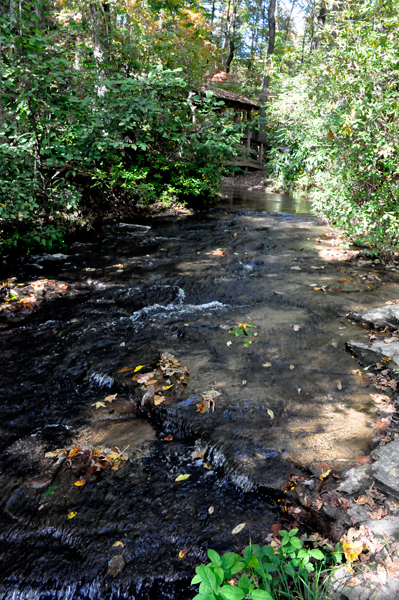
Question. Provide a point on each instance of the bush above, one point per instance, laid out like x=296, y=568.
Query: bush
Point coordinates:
x=290, y=571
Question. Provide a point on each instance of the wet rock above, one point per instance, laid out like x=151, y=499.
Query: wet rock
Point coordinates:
x=386, y=468
x=378, y=585
x=386, y=316
x=374, y=352
x=354, y=479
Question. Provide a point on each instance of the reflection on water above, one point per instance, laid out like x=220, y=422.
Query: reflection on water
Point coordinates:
x=263, y=202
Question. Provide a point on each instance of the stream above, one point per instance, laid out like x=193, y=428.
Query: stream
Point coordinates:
x=74, y=327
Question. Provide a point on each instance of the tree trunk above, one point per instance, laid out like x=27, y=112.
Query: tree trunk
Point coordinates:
x=270, y=50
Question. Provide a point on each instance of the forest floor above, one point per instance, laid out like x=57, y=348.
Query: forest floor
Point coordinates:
x=167, y=381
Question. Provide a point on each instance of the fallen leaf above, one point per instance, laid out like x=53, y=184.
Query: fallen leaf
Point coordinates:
x=72, y=515
x=352, y=550
x=292, y=367
x=270, y=413
x=158, y=399
x=239, y=528
x=296, y=327
x=125, y=369
x=98, y=404
x=244, y=382
x=80, y=483
x=167, y=387
x=211, y=510
x=138, y=368
x=123, y=344
x=118, y=544
x=168, y=438
x=339, y=385
x=118, y=266
x=296, y=269
x=55, y=453
x=267, y=365
x=379, y=513
x=356, y=372
x=182, y=477
x=217, y=252
x=110, y=398
x=115, y=565
x=207, y=465
x=229, y=343
x=324, y=474
x=365, y=500
x=183, y=553
x=380, y=398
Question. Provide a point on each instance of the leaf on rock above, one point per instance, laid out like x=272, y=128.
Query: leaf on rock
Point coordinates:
x=182, y=477
x=55, y=453
x=118, y=544
x=79, y=483
x=324, y=474
x=125, y=369
x=267, y=364
x=339, y=385
x=138, y=368
x=238, y=528
x=211, y=510
x=167, y=387
x=158, y=400
x=270, y=413
x=365, y=500
x=296, y=327
x=72, y=515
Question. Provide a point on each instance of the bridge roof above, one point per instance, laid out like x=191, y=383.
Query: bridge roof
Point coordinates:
x=231, y=98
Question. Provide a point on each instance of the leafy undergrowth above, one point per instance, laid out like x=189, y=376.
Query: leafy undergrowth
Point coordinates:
x=286, y=568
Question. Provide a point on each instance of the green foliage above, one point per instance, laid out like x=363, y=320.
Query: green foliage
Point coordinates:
x=77, y=134
x=291, y=571
x=338, y=118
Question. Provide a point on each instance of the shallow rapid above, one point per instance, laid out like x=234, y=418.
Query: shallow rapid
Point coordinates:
x=290, y=398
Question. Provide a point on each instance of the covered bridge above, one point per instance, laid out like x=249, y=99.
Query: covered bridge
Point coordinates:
x=253, y=140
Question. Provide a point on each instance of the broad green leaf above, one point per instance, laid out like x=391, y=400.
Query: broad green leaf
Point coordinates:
x=214, y=557
x=261, y=595
x=316, y=553
x=229, y=592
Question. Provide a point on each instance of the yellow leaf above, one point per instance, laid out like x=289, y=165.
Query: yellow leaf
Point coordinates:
x=182, y=477
x=79, y=483
x=117, y=544
x=138, y=368
x=72, y=514
x=292, y=367
x=239, y=528
x=98, y=404
x=55, y=453
x=352, y=550
x=115, y=455
x=167, y=387
x=182, y=553
x=325, y=474
x=267, y=365
x=330, y=135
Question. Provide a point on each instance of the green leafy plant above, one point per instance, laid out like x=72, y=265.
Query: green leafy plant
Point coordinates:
x=267, y=573
x=243, y=329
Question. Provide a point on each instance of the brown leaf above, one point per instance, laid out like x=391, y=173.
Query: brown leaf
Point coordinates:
x=217, y=252
x=125, y=369
x=378, y=514
x=110, y=398
x=365, y=500
x=116, y=565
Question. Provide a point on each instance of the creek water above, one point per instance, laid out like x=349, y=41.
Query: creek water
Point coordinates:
x=288, y=402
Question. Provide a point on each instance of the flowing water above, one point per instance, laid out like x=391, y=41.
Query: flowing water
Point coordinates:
x=289, y=401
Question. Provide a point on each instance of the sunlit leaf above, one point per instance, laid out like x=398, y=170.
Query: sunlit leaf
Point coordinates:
x=72, y=514
x=182, y=477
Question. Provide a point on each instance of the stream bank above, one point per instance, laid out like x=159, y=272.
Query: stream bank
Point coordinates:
x=291, y=402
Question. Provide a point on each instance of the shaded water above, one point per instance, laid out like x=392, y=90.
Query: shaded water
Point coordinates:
x=134, y=291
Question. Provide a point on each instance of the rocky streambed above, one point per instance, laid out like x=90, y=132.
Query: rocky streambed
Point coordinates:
x=165, y=381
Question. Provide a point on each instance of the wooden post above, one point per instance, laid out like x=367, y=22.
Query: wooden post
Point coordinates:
x=260, y=155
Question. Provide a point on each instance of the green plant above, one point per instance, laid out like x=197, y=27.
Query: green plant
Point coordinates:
x=289, y=571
